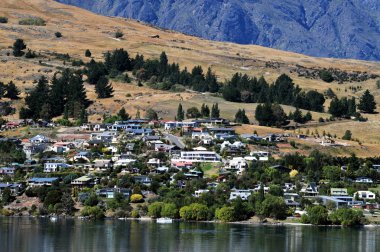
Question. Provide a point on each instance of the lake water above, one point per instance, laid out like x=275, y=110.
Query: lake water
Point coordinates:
x=42, y=235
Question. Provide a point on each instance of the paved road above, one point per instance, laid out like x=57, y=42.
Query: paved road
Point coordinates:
x=175, y=140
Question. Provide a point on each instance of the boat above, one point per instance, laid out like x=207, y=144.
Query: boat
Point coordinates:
x=164, y=220
x=53, y=218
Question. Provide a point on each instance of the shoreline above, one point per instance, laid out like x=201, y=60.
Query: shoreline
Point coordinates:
x=149, y=219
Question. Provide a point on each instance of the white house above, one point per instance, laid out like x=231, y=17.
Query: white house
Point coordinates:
x=363, y=180
x=243, y=194
x=54, y=167
x=198, y=156
x=367, y=195
x=123, y=162
x=39, y=139
x=237, y=164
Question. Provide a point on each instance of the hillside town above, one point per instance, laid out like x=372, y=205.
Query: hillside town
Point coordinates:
x=139, y=168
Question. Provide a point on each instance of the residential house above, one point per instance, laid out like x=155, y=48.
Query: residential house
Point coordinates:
x=243, y=194
x=39, y=139
x=55, y=167
x=198, y=156
x=142, y=179
x=338, y=192
x=237, y=164
x=102, y=164
x=365, y=195
x=310, y=190
x=84, y=181
x=109, y=193
x=338, y=202
x=15, y=188
x=363, y=180
x=9, y=171
x=124, y=162
x=34, y=182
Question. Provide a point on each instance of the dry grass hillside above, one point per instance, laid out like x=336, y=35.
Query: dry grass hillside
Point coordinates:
x=83, y=30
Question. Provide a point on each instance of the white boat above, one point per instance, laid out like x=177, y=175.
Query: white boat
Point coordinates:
x=164, y=220
x=53, y=218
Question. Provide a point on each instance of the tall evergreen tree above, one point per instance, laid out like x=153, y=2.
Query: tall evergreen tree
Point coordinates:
x=180, y=113
x=103, y=88
x=211, y=81
x=205, y=110
x=37, y=97
x=18, y=48
x=215, y=112
x=241, y=117
x=367, y=102
x=123, y=115
x=12, y=91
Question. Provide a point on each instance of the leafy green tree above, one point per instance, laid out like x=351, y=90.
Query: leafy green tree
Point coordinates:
x=18, y=48
x=169, y=210
x=273, y=207
x=92, y=200
x=332, y=173
x=367, y=102
x=103, y=88
x=317, y=215
x=6, y=196
x=155, y=209
x=93, y=212
x=194, y=211
x=276, y=190
x=225, y=214
x=52, y=197
x=193, y=112
x=180, y=113
x=67, y=203
x=151, y=114
x=347, y=217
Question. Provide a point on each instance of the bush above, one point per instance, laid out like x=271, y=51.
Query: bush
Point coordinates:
x=94, y=212
x=135, y=214
x=225, y=214
x=3, y=20
x=36, y=21
x=347, y=217
x=136, y=198
x=169, y=210
x=317, y=215
x=119, y=34
x=155, y=209
x=194, y=211
x=58, y=35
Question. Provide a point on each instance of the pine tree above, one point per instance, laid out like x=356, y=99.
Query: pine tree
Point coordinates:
x=241, y=117
x=367, y=102
x=37, y=97
x=180, y=113
x=298, y=116
x=123, y=115
x=103, y=88
x=18, y=48
x=215, y=112
x=87, y=53
x=2, y=89
x=211, y=81
x=12, y=91
x=205, y=110
x=83, y=116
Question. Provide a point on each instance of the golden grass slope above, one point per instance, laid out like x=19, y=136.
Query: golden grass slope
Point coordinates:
x=84, y=30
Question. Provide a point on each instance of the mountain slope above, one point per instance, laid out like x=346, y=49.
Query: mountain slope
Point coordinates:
x=323, y=28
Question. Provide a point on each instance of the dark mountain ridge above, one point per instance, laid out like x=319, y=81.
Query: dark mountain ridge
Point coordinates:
x=322, y=28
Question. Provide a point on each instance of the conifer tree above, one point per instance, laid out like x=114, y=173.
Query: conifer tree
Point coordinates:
x=103, y=89
x=12, y=91
x=241, y=117
x=367, y=102
x=180, y=113
x=123, y=115
x=18, y=48
x=205, y=110
x=215, y=112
